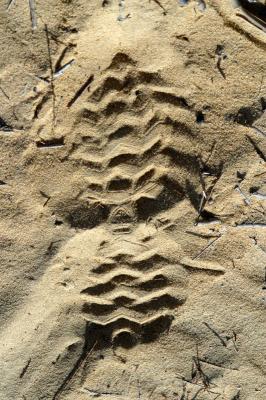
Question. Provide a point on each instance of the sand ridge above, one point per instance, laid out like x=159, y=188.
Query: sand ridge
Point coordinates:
x=132, y=194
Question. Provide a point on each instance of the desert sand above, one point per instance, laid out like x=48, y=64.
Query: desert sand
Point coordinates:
x=133, y=194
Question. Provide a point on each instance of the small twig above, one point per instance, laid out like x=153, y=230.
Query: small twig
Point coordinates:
x=235, y=337
x=216, y=334
x=161, y=6
x=139, y=392
x=10, y=4
x=99, y=393
x=264, y=283
x=256, y=148
x=218, y=395
x=79, y=92
x=33, y=14
x=138, y=243
x=205, y=248
x=203, y=201
x=202, y=375
x=206, y=191
x=196, y=394
x=246, y=200
x=23, y=372
x=60, y=71
x=80, y=364
x=216, y=365
x=4, y=93
x=62, y=55
x=46, y=196
x=180, y=377
x=220, y=68
x=51, y=73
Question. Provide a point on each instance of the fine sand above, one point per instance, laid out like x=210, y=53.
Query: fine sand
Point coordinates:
x=133, y=194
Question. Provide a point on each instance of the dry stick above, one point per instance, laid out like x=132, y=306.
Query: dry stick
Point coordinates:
x=4, y=93
x=246, y=199
x=46, y=197
x=256, y=148
x=51, y=73
x=137, y=243
x=187, y=380
x=216, y=365
x=197, y=393
x=206, y=192
x=61, y=57
x=205, y=248
x=204, y=198
x=60, y=71
x=81, y=362
x=264, y=285
x=10, y=4
x=79, y=92
x=139, y=391
x=219, y=62
x=216, y=334
x=234, y=341
x=33, y=14
x=161, y=6
x=203, y=201
x=203, y=376
x=23, y=372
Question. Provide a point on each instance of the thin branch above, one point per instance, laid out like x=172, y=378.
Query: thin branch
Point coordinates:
x=79, y=92
x=23, y=372
x=216, y=334
x=205, y=248
x=161, y=6
x=4, y=93
x=51, y=72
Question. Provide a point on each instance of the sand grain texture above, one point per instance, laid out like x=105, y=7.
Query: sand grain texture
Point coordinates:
x=132, y=190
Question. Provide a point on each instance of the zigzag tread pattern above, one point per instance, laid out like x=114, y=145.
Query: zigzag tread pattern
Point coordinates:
x=130, y=126
x=134, y=292
x=127, y=136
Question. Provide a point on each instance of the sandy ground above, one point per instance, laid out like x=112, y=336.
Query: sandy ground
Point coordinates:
x=133, y=192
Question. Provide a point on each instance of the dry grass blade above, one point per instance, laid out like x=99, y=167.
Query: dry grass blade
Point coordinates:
x=33, y=14
x=10, y=4
x=51, y=73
